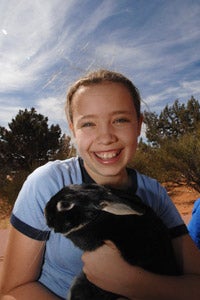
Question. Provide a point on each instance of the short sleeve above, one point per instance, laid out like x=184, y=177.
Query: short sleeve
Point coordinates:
x=155, y=196
x=28, y=212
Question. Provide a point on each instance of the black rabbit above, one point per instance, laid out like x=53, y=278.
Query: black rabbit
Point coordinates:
x=89, y=214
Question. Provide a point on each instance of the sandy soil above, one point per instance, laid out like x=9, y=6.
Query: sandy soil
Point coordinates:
x=183, y=197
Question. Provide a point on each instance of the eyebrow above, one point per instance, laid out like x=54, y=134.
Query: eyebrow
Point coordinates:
x=112, y=114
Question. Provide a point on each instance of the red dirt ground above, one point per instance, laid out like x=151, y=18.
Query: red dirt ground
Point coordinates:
x=183, y=197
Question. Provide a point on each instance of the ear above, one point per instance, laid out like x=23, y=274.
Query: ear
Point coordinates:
x=140, y=124
x=119, y=209
x=71, y=127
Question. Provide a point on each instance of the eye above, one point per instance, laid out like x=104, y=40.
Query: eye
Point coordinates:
x=87, y=124
x=63, y=206
x=121, y=120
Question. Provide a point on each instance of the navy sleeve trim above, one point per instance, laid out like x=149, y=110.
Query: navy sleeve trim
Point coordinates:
x=28, y=230
x=178, y=231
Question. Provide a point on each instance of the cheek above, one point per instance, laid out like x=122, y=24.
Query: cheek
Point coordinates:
x=83, y=140
x=129, y=136
x=130, y=143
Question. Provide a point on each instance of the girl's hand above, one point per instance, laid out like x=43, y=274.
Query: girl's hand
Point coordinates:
x=106, y=268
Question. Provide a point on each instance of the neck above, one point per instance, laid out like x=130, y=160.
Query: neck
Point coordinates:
x=121, y=180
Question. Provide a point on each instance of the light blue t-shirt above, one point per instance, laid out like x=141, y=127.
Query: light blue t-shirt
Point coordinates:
x=62, y=260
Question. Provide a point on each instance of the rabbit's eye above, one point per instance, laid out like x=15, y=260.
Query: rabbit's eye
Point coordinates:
x=62, y=206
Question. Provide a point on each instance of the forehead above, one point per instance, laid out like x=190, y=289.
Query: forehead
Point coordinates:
x=103, y=87
x=104, y=95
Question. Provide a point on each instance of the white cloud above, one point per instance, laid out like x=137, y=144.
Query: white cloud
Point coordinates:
x=192, y=87
x=28, y=48
x=54, y=109
x=8, y=110
x=51, y=107
x=182, y=91
x=4, y=31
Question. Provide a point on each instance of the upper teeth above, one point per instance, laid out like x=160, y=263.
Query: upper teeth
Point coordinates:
x=106, y=155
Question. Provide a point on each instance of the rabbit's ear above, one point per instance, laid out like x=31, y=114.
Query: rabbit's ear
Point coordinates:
x=119, y=209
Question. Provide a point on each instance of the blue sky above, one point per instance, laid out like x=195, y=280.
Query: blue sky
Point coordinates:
x=46, y=45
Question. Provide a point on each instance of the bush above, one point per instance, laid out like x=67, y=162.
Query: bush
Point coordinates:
x=12, y=186
x=148, y=160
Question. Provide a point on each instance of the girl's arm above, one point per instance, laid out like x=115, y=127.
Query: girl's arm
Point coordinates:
x=21, y=268
x=114, y=274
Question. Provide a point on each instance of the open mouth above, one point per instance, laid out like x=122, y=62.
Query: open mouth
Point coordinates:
x=107, y=155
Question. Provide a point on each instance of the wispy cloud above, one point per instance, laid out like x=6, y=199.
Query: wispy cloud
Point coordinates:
x=54, y=109
x=45, y=45
x=9, y=107
x=29, y=44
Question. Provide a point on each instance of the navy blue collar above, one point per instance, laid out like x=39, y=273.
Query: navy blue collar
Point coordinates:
x=131, y=173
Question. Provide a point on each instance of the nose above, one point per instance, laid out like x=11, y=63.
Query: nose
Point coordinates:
x=106, y=135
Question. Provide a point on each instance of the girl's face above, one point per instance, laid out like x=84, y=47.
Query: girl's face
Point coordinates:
x=106, y=128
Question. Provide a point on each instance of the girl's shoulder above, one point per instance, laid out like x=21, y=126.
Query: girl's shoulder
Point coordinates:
x=58, y=166
x=58, y=172
x=153, y=194
x=145, y=183
x=40, y=186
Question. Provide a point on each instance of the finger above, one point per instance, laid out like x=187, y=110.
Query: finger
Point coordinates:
x=110, y=244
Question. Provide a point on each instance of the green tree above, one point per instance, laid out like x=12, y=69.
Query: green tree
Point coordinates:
x=66, y=149
x=173, y=122
x=173, y=151
x=29, y=141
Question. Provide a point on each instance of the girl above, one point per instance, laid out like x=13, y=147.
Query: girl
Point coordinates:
x=103, y=111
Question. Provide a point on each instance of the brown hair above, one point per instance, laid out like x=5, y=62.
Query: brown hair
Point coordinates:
x=101, y=76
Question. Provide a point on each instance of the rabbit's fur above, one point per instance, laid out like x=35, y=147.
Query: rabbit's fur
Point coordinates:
x=89, y=214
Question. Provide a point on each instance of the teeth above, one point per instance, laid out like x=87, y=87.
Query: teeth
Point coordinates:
x=107, y=155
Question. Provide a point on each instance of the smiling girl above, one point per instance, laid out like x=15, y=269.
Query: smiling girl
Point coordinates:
x=103, y=112
x=106, y=128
